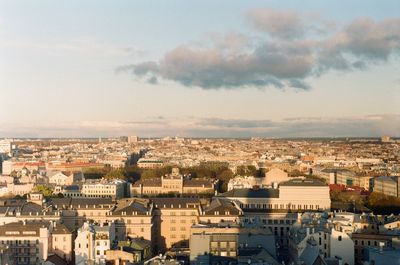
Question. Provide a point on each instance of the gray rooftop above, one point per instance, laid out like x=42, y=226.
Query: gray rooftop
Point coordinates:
x=251, y=193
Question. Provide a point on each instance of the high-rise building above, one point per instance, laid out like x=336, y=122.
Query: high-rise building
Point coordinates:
x=133, y=139
x=5, y=146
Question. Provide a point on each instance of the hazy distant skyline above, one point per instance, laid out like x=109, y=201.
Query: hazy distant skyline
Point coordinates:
x=199, y=68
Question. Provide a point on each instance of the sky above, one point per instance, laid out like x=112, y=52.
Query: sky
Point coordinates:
x=199, y=68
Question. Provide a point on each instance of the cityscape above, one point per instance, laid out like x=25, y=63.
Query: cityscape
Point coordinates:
x=199, y=132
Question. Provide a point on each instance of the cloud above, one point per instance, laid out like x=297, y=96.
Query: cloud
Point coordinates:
x=269, y=64
x=362, y=126
x=287, y=49
x=75, y=46
x=281, y=24
x=288, y=25
x=236, y=123
x=361, y=43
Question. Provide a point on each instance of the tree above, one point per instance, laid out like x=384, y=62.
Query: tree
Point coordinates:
x=224, y=178
x=148, y=174
x=248, y=170
x=46, y=191
x=95, y=173
x=116, y=174
x=383, y=204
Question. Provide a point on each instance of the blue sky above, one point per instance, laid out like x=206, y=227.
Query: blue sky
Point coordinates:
x=199, y=68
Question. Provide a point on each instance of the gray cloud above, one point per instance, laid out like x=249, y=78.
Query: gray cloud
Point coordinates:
x=291, y=52
x=361, y=43
x=236, y=123
x=363, y=126
x=270, y=64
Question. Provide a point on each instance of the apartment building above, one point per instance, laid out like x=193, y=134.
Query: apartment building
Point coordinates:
x=131, y=251
x=389, y=186
x=28, y=242
x=231, y=242
x=220, y=210
x=173, y=220
x=65, y=177
x=363, y=241
x=75, y=211
x=133, y=218
x=62, y=242
x=92, y=242
x=313, y=238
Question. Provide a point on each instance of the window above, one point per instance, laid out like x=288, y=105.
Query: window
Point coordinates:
x=340, y=238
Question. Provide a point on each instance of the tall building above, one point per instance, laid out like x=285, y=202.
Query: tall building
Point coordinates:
x=5, y=146
x=173, y=220
x=133, y=139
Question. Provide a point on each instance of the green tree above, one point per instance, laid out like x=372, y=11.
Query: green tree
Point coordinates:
x=46, y=191
x=224, y=178
x=116, y=174
x=248, y=170
x=148, y=174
